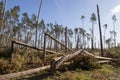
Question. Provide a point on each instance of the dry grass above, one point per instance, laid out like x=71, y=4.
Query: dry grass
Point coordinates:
x=6, y=67
x=107, y=72
x=81, y=67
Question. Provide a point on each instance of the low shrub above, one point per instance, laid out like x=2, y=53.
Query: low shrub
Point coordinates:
x=85, y=63
x=4, y=52
x=6, y=67
x=114, y=54
x=32, y=59
x=81, y=62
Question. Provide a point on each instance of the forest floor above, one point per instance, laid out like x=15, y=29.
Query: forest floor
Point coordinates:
x=81, y=68
x=107, y=72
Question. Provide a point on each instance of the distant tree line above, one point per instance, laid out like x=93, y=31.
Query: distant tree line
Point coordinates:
x=23, y=28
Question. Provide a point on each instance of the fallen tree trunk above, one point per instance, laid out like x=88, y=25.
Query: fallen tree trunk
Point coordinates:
x=70, y=56
x=27, y=45
x=67, y=57
x=23, y=73
x=58, y=42
x=56, y=62
x=104, y=61
x=99, y=57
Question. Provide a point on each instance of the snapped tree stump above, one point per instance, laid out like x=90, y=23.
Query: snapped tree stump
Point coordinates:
x=52, y=67
x=11, y=51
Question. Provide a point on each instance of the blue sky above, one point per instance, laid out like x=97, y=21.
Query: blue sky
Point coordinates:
x=68, y=12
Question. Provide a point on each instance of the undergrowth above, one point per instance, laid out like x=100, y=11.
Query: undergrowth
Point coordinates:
x=21, y=60
x=82, y=67
x=82, y=62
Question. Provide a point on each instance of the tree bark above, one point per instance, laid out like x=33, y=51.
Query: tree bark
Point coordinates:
x=44, y=48
x=78, y=40
x=66, y=39
x=52, y=67
x=11, y=51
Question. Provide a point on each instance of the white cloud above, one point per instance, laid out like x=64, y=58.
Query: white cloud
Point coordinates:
x=116, y=9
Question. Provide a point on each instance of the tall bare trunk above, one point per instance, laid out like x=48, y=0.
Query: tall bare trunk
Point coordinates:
x=2, y=20
x=114, y=34
x=42, y=39
x=100, y=31
x=77, y=41
x=37, y=23
x=92, y=40
x=65, y=39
